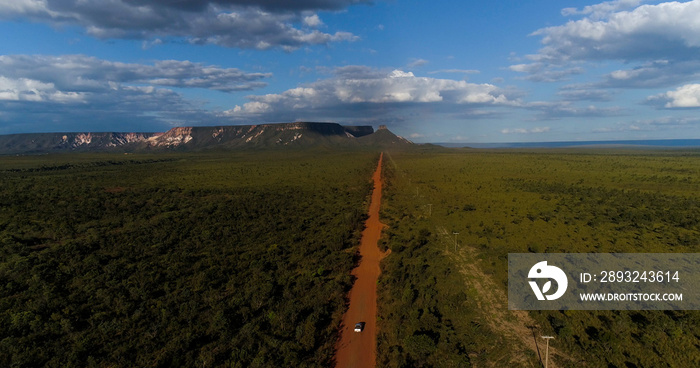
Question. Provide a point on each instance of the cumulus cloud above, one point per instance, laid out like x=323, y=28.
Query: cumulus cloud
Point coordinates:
x=229, y=23
x=683, y=96
x=646, y=32
x=356, y=89
x=661, y=38
x=84, y=73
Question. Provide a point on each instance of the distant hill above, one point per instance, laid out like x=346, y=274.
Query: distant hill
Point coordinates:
x=49, y=142
x=384, y=138
x=263, y=136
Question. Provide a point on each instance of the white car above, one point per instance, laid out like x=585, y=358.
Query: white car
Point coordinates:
x=359, y=326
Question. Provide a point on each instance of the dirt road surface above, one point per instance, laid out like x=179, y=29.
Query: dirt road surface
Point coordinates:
x=359, y=349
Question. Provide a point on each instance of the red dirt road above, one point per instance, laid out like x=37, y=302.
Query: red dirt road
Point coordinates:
x=359, y=349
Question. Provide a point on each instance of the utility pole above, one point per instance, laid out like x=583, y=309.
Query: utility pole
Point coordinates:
x=455, y=240
x=546, y=354
x=430, y=209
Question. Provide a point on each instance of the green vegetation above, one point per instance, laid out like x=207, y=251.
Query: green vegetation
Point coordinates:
x=244, y=259
x=216, y=259
x=436, y=306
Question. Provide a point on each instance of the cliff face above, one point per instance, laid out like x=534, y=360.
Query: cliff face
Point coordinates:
x=50, y=142
x=76, y=140
x=261, y=136
x=173, y=137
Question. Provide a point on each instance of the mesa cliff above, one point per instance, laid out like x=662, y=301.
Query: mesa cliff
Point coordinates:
x=260, y=136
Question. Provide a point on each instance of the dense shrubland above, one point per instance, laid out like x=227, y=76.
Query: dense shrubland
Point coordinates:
x=242, y=259
x=216, y=259
x=504, y=202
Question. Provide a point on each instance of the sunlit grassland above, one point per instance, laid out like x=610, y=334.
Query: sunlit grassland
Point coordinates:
x=198, y=259
x=505, y=201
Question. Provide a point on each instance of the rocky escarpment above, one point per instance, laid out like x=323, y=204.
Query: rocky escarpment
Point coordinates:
x=172, y=138
x=50, y=142
x=260, y=136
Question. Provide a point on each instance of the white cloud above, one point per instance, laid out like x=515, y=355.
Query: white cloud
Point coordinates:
x=525, y=68
x=684, y=96
x=655, y=74
x=22, y=6
x=602, y=10
x=30, y=105
x=648, y=31
x=81, y=73
x=145, y=45
x=77, y=92
x=23, y=89
x=253, y=107
x=313, y=21
x=355, y=90
x=662, y=39
x=396, y=87
x=401, y=74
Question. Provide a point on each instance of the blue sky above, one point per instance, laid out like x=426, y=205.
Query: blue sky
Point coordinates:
x=441, y=71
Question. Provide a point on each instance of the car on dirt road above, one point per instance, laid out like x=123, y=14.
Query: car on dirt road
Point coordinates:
x=359, y=326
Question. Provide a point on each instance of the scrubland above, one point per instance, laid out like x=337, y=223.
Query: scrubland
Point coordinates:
x=198, y=259
x=244, y=259
x=444, y=308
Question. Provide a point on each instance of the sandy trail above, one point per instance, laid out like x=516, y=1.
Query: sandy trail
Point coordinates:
x=359, y=349
x=518, y=328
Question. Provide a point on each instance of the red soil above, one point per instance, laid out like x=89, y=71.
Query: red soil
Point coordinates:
x=359, y=349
